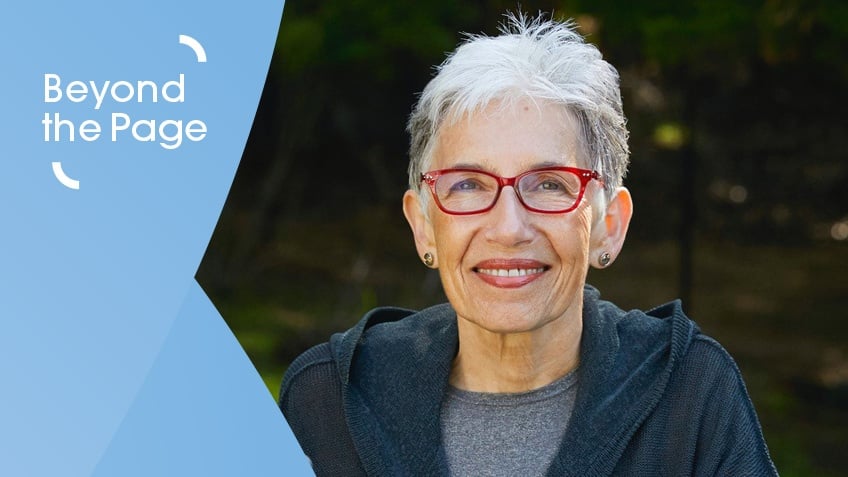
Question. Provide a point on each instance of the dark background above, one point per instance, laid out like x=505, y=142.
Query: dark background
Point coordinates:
x=739, y=176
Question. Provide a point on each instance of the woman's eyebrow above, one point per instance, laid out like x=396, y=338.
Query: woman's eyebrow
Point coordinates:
x=468, y=165
x=540, y=165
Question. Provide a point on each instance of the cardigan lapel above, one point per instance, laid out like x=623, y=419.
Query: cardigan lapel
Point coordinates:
x=622, y=376
x=393, y=404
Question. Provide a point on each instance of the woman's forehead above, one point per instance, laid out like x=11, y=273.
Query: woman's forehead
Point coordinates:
x=504, y=138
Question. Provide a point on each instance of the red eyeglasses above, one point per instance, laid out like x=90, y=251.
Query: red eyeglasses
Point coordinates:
x=549, y=190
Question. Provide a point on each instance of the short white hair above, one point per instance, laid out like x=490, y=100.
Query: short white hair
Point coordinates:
x=540, y=59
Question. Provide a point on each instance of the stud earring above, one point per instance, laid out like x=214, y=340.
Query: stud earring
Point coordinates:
x=604, y=259
x=429, y=260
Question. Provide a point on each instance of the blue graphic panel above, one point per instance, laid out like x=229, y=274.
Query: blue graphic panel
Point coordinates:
x=224, y=408
x=119, y=145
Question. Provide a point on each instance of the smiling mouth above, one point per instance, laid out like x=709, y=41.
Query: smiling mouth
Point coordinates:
x=511, y=272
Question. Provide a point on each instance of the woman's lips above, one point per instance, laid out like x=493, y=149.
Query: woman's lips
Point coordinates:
x=509, y=273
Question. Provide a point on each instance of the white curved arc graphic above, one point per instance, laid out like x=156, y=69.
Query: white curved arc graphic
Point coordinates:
x=63, y=178
x=194, y=45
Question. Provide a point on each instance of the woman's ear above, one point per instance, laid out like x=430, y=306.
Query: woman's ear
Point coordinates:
x=422, y=229
x=610, y=230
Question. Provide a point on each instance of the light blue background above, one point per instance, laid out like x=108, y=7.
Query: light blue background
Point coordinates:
x=112, y=359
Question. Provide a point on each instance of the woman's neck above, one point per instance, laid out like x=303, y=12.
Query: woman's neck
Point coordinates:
x=516, y=362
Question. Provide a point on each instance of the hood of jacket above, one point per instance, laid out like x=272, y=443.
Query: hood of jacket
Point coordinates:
x=394, y=367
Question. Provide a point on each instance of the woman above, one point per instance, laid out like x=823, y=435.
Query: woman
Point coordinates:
x=517, y=155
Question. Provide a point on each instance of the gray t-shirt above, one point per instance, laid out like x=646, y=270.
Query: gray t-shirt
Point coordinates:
x=506, y=434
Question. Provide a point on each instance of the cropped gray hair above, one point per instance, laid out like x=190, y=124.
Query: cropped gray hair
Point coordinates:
x=537, y=58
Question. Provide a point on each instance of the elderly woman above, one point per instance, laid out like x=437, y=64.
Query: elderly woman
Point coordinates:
x=517, y=155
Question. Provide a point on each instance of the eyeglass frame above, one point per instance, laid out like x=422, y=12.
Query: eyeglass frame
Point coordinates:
x=584, y=175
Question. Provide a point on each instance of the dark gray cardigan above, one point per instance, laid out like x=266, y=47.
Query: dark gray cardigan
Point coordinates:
x=656, y=397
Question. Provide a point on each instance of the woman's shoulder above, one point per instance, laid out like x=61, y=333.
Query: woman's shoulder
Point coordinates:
x=311, y=401
x=708, y=362
x=693, y=358
x=318, y=359
x=697, y=383
x=313, y=373
x=324, y=365
x=380, y=349
x=708, y=383
x=663, y=331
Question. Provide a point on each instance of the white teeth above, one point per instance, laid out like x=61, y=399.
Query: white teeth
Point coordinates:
x=512, y=272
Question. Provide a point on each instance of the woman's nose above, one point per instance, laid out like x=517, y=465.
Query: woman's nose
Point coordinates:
x=509, y=220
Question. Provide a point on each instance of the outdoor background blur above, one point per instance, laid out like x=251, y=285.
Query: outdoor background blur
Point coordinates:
x=739, y=174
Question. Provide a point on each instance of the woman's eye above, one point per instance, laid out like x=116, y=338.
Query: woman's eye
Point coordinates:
x=466, y=185
x=549, y=183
